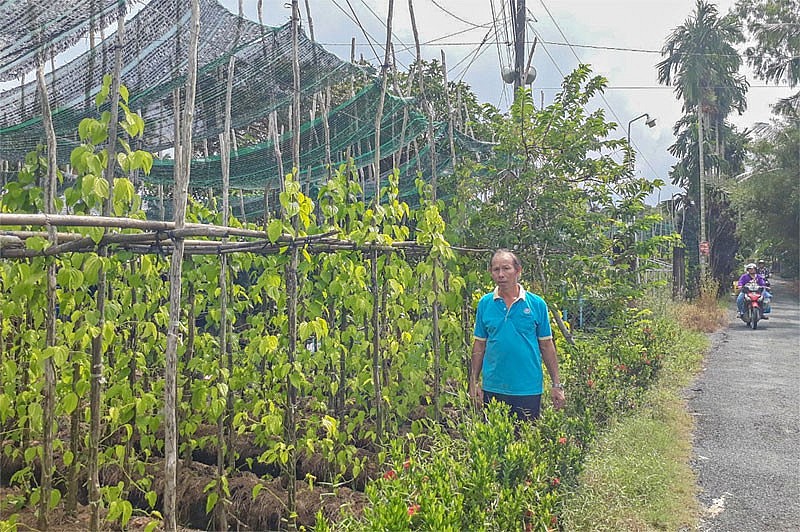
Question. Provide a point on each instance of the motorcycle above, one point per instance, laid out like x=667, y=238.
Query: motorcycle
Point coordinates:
x=754, y=304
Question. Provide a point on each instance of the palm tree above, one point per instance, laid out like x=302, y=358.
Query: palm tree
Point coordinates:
x=702, y=63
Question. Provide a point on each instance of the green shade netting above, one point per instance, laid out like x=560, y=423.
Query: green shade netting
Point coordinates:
x=154, y=63
x=352, y=135
x=32, y=27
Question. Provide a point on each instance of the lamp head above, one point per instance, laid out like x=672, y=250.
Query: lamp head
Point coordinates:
x=651, y=122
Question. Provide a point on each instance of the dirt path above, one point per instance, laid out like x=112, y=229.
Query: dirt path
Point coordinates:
x=747, y=436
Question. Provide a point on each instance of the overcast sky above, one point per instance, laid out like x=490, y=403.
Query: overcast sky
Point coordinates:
x=620, y=39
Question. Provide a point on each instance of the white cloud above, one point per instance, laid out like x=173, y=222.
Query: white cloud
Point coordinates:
x=459, y=26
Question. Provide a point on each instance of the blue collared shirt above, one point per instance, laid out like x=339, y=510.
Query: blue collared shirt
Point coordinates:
x=512, y=362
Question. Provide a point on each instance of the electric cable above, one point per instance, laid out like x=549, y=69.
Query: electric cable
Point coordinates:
x=475, y=55
x=456, y=16
x=355, y=19
x=605, y=100
x=394, y=36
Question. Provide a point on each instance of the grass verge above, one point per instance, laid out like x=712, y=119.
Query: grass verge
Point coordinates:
x=638, y=476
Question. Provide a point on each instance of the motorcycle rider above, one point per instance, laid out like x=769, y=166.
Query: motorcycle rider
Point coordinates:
x=751, y=276
x=762, y=270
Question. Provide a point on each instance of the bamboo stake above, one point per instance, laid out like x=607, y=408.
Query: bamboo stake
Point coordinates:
x=180, y=200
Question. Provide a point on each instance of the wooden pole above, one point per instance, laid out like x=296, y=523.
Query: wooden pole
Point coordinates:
x=449, y=112
x=290, y=427
x=381, y=101
x=295, y=89
x=224, y=356
x=95, y=393
x=376, y=346
x=49, y=388
x=397, y=159
x=426, y=103
x=176, y=269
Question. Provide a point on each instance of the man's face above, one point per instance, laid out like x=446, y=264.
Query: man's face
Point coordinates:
x=504, y=273
x=751, y=271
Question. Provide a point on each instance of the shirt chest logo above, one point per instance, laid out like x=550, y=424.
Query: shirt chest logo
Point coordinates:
x=526, y=311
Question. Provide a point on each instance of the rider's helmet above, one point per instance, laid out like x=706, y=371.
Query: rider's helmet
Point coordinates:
x=748, y=266
x=760, y=262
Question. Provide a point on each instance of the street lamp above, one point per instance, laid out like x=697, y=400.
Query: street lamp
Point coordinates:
x=651, y=122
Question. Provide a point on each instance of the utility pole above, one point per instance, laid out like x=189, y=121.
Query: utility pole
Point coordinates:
x=519, y=45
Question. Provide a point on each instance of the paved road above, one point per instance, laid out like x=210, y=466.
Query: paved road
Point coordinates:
x=746, y=404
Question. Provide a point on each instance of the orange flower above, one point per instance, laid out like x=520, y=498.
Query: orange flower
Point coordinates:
x=414, y=508
x=562, y=440
x=590, y=383
x=390, y=475
x=555, y=481
x=407, y=464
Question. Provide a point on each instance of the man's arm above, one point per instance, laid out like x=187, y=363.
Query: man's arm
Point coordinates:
x=478, y=350
x=550, y=359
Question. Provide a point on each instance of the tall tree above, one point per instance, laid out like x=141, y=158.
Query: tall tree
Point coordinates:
x=553, y=191
x=774, y=28
x=768, y=196
x=702, y=63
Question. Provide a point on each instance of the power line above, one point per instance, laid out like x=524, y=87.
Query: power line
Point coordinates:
x=457, y=17
x=608, y=105
x=393, y=36
x=475, y=55
x=354, y=18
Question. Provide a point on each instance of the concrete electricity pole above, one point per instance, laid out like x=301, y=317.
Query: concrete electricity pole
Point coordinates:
x=519, y=45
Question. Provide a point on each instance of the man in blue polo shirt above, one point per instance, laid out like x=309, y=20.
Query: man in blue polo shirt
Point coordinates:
x=512, y=339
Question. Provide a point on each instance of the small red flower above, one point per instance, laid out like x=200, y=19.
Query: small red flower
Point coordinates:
x=555, y=481
x=562, y=440
x=553, y=520
x=590, y=383
x=407, y=464
x=390, y=475
x=414, y=508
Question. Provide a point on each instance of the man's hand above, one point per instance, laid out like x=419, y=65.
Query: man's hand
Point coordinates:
x=476, y=394
x=557, y=395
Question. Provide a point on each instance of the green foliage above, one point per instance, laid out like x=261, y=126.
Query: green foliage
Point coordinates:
x=554, y=193
x=775, y=50
x=768, y=201
x=584, y=208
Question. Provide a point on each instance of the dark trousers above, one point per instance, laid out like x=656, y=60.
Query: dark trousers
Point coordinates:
x=525, y=407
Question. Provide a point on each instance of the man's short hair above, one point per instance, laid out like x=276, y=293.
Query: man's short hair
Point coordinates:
x=504, y=251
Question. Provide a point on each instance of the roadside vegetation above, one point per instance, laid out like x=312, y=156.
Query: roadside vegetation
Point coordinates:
x=638, y=474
